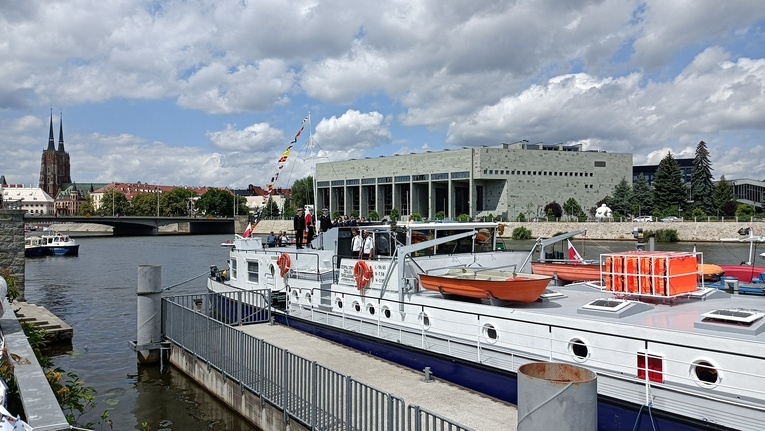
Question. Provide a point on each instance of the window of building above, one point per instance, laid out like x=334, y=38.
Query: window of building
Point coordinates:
x=600, y=164
x=233, y=269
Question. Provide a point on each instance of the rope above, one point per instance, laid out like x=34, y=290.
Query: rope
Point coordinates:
x=185, y=281
x=650, y=414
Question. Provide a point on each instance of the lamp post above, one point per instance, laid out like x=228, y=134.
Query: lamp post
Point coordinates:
x=157, y=200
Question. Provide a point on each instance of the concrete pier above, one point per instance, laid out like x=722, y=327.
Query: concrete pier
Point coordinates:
x=57, y=331
x=467, y=407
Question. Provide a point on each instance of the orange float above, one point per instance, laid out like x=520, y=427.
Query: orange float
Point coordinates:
x=284, y=263
x=362, y=272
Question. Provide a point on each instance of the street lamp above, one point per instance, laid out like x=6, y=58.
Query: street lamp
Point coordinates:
x=157, y=201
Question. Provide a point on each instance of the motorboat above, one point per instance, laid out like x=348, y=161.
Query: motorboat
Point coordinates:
x=669, y=353
x=571, y=269
x=58, y=244
x=746, y=271
x=33, y=246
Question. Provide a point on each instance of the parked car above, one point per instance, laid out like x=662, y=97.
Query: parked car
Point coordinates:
x=671, y=219
x=642, y=218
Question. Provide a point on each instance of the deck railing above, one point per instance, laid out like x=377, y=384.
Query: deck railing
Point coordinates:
x=314, y=395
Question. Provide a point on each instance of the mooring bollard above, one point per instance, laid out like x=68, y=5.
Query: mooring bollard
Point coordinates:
x=149, y=316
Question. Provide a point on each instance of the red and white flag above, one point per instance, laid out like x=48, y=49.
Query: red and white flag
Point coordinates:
x=573, y=255
x=248, y=231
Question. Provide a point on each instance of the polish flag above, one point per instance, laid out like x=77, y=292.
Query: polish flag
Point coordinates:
x=573, y=255
x=248, y=231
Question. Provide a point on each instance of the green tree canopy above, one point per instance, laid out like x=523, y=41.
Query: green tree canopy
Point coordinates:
x=642, y=196
x=702, y=188
x=144, y=204
x=620, y=203
x=723, y=199
x=88, y=207
x=271, y=210
x=572, y=208
x=216, y=202
x=553, y=209
x=114, y=203
x=668, y=187
x=176, y=203
x=302, y=192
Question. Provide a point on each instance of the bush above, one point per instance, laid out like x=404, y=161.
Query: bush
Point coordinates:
x=373, y=216
x=463, y=218
x=440, y=215
x=416, y=217
x=521, y=218
x=521, y=233
x=663, y=235
x=394, y=214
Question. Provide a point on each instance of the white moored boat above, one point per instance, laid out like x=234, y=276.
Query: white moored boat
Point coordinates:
x=667, y=356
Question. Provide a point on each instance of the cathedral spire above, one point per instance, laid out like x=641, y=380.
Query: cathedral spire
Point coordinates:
x=51, y=142
x=61, y=134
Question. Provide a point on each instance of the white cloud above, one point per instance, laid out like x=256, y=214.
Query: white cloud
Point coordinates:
x=353, y=130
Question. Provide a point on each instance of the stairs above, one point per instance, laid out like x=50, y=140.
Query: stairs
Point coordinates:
x=58, y=331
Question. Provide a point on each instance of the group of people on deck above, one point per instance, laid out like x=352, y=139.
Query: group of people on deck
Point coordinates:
x=363, y=245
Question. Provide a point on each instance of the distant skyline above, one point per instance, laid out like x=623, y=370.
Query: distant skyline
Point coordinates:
x=210, y=93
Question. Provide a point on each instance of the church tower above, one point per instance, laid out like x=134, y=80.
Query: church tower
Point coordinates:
x=54, y=166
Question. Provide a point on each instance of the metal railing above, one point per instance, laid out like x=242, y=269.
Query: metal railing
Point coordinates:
x=304, y=390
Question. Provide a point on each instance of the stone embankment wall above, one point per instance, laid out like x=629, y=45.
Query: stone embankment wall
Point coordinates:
x=686, y=231
x=12, y=246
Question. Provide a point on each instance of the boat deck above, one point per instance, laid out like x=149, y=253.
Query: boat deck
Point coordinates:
x=467, y=407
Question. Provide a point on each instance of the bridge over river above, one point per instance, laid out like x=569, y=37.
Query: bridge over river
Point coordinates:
x=144, y=226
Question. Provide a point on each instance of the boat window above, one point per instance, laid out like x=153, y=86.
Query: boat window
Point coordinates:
x=462, y=245
x=233, y=269
x=371, y=309
x=422, y=235
x=339, y=302
x=578, y=350
x=386, y=311
x=252, y=271
x=705, y=374
x=489, y=332
x=425, y=319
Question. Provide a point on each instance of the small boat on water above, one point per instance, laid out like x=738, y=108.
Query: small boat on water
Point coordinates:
x=504, y=285
x=33, y=246
x=58, y=244
x=746, y=272
x=574, y=269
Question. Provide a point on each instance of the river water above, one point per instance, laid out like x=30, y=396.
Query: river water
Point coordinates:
x=95, y=294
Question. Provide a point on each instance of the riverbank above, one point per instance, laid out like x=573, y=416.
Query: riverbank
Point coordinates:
x=686, y=231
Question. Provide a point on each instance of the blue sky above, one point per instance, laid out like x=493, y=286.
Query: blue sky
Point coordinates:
x=210, y=93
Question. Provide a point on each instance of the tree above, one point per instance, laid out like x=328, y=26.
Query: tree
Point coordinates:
x=723, y=199
x=87, y=208
x=621, y=201
x=745, y=211
x=216, y=202
x=302, y=192
x=177, y=202
x=114, y=203
x=668, y=187
x=642, y=196
x=701, y=180
x=572, y=208
x=373, y=216
x=144, y=204
x=553, y=209
x=271, y=210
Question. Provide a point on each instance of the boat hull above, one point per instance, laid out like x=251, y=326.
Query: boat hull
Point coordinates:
x=501, y=384
x=568, y=272
x=517, y=288
x=71, y=250
x=744, y=273
x=33, y=251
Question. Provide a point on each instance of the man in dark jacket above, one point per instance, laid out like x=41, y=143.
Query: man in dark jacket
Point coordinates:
x=298, y=223
x=325, y=221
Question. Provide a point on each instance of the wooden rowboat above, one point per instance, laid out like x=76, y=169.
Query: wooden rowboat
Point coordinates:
x=504, y=285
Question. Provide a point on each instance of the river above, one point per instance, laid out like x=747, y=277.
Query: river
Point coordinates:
x=95, y=294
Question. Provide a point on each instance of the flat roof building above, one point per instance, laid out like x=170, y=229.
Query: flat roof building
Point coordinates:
x=505, y=181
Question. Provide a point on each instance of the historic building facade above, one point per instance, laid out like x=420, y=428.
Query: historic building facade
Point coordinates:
x=54, y=166
x=502, y=181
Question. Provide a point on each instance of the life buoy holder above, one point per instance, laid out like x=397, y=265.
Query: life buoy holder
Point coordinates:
x=284, y=263
x=362, y=272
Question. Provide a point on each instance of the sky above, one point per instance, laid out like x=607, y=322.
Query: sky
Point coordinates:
x=212, y=93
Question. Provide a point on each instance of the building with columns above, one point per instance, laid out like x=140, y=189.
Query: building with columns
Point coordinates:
x=506, y=181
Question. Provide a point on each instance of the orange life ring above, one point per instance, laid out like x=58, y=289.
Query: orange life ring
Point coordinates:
x=284, y=264
x=362, y=272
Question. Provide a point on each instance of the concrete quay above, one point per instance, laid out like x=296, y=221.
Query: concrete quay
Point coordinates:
x=467, y=407
x=57, y=331
x=691, y=231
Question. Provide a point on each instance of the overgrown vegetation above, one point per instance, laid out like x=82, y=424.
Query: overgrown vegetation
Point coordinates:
x=521, y=233
x=663, y=235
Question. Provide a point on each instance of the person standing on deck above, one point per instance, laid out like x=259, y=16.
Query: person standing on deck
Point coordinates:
x=355, y=243
x=367, y=246
x=310, y=227
x=325, y=221
x=298, y=223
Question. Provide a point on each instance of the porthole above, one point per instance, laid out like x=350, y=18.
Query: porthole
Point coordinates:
x=307, y=297
x=272, y=269
x=295, y=296
x=386, y=312
x=425, y=319
x=339, y=302
x=489, y=333
x=578, y=349
x=371, y=309
x=705, y=374
x=356, y=306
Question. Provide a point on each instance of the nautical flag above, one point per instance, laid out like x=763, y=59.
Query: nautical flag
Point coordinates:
x=248, y=231
x=573, y=255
